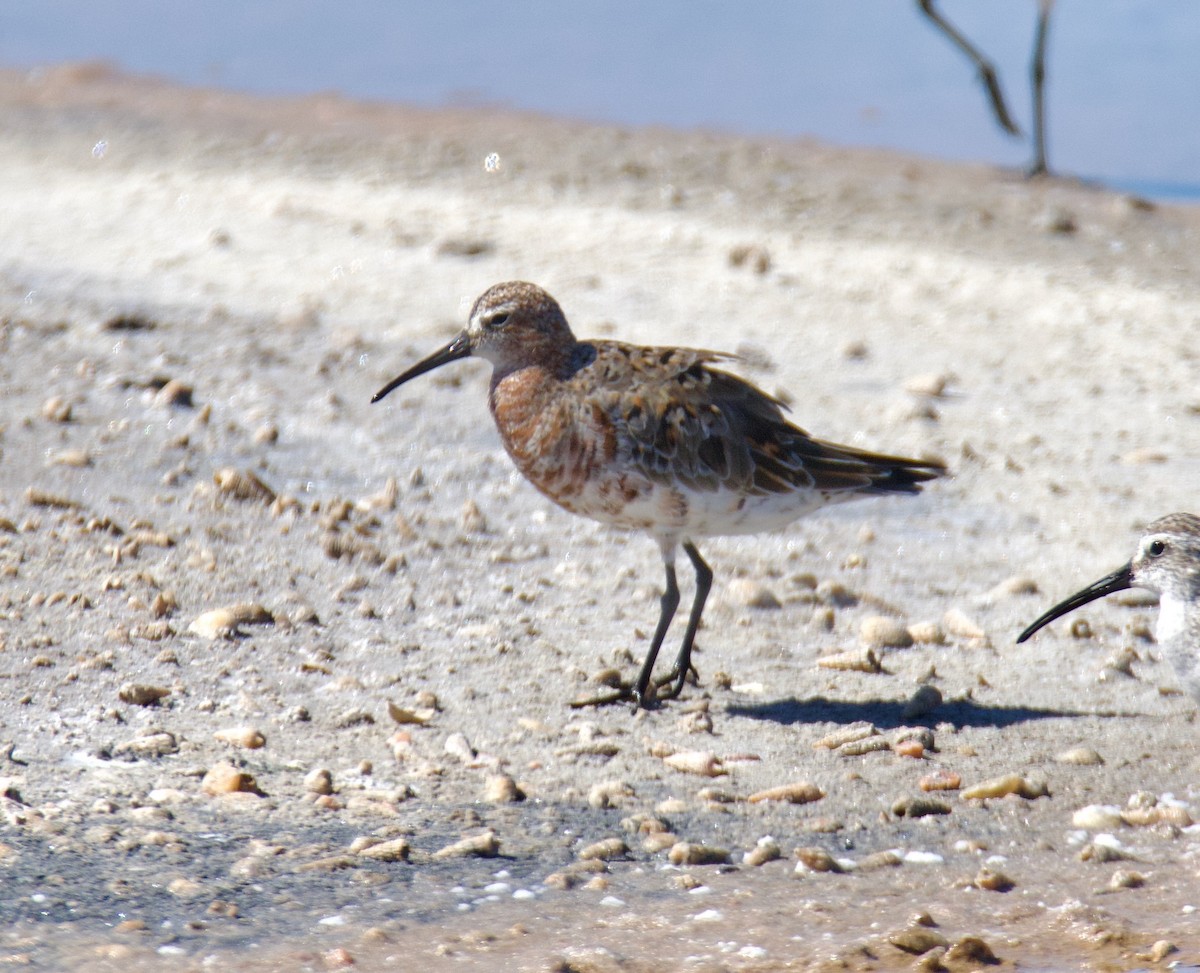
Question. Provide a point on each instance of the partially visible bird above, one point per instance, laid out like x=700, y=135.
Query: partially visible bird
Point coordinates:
x=1167, y=562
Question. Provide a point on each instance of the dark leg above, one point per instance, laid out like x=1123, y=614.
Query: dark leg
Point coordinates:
x=1039, y=166
x=683, y=663
x=987, y=73
x=670, y=601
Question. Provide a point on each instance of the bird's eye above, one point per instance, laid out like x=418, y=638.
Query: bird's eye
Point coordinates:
x=1156, y=548
x=496, y=320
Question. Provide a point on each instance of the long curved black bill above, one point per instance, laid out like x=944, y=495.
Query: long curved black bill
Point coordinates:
x=1119, y=580
x=460, y=347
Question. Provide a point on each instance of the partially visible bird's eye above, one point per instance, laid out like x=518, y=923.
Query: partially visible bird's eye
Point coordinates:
x=1156, y=548
x=497, y=319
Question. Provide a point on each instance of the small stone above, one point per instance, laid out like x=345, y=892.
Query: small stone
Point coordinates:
x=1161, y=950
x=243, y=485
x=57, y=409
x=175, y=393
x=610, y=793
x=752, y=594
x=971, y=949
x=881, y=632
x=471, y=520
x=879, y=859
x=931, y=384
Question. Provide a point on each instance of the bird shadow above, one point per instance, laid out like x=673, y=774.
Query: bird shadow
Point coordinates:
x=889, y=714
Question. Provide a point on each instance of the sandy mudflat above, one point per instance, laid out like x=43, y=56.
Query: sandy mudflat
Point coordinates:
x=278, y=261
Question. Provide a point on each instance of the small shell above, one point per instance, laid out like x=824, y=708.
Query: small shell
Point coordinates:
x=609, y=793
x=767, y=850
x=879, y=859
x=919, y=807
x=927, y=633
x=224, y=778
x=881, y=632
x=242, y=485
x=971, y=949
x=816, y=860
x=242, y=736
x=917, y=939
x=223, y=623
x=992, y=881
x=858, y=660
x=940, y=780
x=847, y=734
x=318, y=781
x=1081, y=757
x=858, y=748
x=396, y=850
x=910, y=748
x=405, y=716
x=502, y=789
x=1097, y=817
x=750, y=593
x=801, y=792
x=605, y=850
x=485, y=845
x=924, y=700
x=702, y=762
x=687, y=853
x=959, y=623
x=139, y=694
x=1003, y=786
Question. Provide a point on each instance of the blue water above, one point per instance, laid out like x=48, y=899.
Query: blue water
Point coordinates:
x=1124, y=93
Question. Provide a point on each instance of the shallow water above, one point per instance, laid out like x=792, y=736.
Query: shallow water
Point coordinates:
x=1123, y=73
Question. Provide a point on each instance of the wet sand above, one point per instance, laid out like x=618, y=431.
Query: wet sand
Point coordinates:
x=201, y=289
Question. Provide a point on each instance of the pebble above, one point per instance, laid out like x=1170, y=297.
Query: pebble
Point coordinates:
x=659, y=841
x=801, y=792
x=485, y=845
x=1124, y=878
x=1097, y=817
x=702, y=762
x=689, y=853
x=752, y=594
x=813, y=859
x=1080, y=756
x=879, y=859
x=175, y=393
x=140, y=694
x=957, y=622
x=606, y=849
x=457, y=745
x=224, y=778
x=242, y=736
x=924, y=700
x=931, y=384
x=151, y=743
x=881, y=632
x=1003, y=786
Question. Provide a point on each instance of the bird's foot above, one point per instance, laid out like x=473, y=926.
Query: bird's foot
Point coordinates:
x=621, y=693
x=675, y=680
